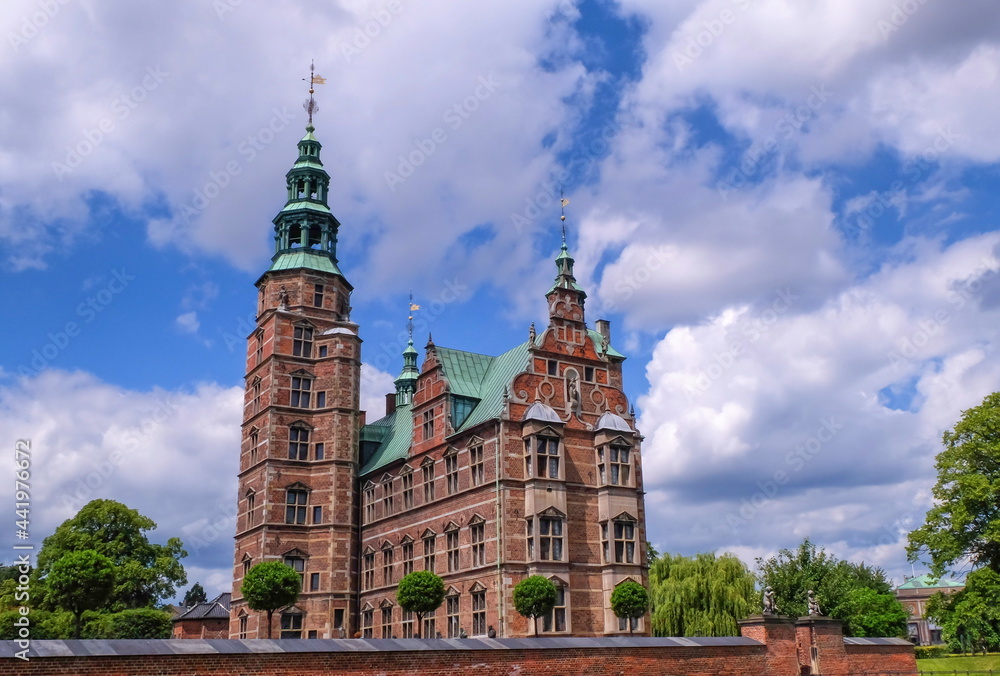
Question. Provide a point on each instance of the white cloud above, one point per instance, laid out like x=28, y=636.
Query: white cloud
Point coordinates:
x=188, y=322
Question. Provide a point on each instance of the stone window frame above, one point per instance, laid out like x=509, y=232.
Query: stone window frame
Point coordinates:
x=300, y=392
x=254, y=436
x=551, y=619
x=301, y=446
x=532, y=431
x=610, y=539
x=428, y=471
x=318, y=293
x=295, y=621
x=407, y=620
x=367, y=620
x=478, y=594
x=452, y=547
x=296, y=518
x=429, y=538
x=303, y=337
x=388, y=500
x=368, y=568
x=616, y=623
x=450, y=458
x=251, y=501
x=427, y=423
x=406, y=480
x=477, y=461
x=368, y=501
x=255, y=388
x=477, y=547
x=386, y=617
x=604, y=444
x=243, y=620
x=388, y=563
x=247, y=564
x=406, y=544
x=453, y=606
x=295, y=556
x=534, y=535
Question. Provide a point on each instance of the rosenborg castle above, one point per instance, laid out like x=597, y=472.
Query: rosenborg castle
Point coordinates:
x=483, y=469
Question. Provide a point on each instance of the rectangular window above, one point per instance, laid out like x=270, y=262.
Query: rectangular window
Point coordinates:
x=367, y=618
x=295, y=506
x=368, y=571
x=302, y=341
x=254, y=443
x=428, y=424
x=317, y=514
x=624, y=542
x=476, y=465
x=318, y=295
x=298, y=564
x=550, y=538
x=553, y=367
x=387, y=576
x=291, y=625
x=430, y=630
x=298, y=443
x=451, y=542
x=246, y=566
x=478, y=531
x=531, y=539
x=556, y=620
x=619, y=460
x=243, y=626
x=428, y=482
x=251, y=501
x=588, y=374
x=602, y=474
x=451, y=473
x=605, y=543
x=314, y=582
x=451, y=608
x=321, y=399
x=429, y=553
x=338, y=618
x=320, y=451
x=387, y=622
x=624, y=622
x=547, y=452
x=369, y=504
x=407, y=490
x=407, y=624
x=301, y=392
x=322, y=350
x=255, y=395
x=479, y=613
x=387, y=498
x=259, y=350
x=407, y=558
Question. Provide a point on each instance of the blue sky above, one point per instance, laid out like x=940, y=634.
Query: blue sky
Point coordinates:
x=787, y=210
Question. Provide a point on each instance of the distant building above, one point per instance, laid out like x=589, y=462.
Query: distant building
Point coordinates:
x=914, y=594
x=482, y=469
x=204, y=620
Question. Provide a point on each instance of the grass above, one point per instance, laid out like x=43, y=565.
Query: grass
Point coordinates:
x=960, y=664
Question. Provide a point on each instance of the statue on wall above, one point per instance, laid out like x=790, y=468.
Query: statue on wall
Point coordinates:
x=769, y=606
x=813, y=604
x=283, y=299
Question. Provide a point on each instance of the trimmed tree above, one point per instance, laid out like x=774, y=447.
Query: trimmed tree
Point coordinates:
x=534, y=597
x=269, y=586
x=629, y=601
x=420, y=592
x=80, y=581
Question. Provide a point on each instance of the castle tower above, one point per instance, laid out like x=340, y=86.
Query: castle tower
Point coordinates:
x=300, y=433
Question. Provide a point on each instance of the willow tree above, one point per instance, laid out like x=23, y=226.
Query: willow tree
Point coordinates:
x=700, y=596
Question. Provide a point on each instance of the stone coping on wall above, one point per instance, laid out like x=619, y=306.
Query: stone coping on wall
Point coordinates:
x=93, y=648
x=854, y=640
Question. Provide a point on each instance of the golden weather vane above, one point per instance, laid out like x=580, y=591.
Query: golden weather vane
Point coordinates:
x=314, y=79
x=563, y=203
x=409, y=323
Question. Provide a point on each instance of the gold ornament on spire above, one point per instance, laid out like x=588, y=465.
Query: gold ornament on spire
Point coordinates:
x=314, y=79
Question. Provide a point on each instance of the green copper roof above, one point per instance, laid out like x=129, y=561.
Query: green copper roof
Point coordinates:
x=305, y=258
x=928, y=582
x=393, y=433
x=498, y=376
x=312, y=206
x=465, y=371
x=597, y=338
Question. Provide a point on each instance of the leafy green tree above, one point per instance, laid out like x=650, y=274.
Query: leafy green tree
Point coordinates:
x=791, y=574
x=702, y=595
x=964, y=523
x=534, y=597
x=39, y=625
x=138, y=623
x=420, y=592
x=145, y=574
x=80, y=581
x=194, y=596
x=651, y=554
x=970, y=618
x=629, y=601
x=271, y=585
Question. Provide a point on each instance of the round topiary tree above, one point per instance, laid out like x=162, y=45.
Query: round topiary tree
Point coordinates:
x=269, y=586
x=534, y=597
x=420, y=592
x=629, y=601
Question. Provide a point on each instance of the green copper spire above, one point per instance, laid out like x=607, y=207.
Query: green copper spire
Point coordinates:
x=305, y=232
x=406, y=383
x=564, y=262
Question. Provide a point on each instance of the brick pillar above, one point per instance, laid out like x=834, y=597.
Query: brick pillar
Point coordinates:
x=821, y=645
x=778, y=634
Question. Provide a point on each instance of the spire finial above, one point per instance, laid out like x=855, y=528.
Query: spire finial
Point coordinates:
x=310, y=104
x=409, y=320
x=563, y=203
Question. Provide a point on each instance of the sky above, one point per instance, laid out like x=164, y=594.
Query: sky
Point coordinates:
x=787, y=210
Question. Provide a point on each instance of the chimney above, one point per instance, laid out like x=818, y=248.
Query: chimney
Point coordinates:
x=390, y=403
x=604, y=328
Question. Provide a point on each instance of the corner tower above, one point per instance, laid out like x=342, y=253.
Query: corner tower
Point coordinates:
x=298, y=459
